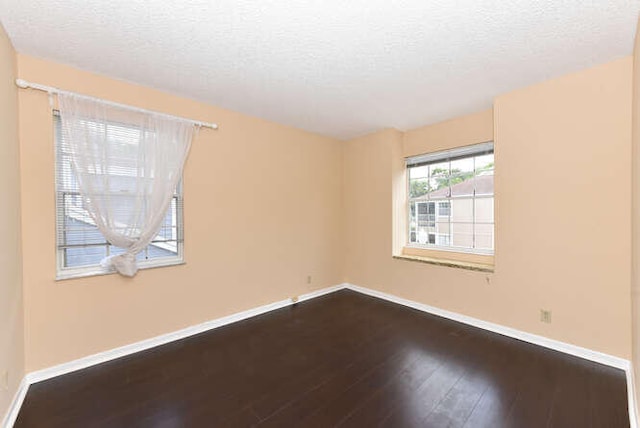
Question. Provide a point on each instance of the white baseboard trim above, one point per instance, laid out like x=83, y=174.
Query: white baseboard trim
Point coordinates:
x=101, y=357
x=122, y=351
x=16, y=403
x=112, y=354
x=567, y=348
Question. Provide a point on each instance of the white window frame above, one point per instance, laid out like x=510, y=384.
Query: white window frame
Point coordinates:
x=438, y=157
x=64, y=272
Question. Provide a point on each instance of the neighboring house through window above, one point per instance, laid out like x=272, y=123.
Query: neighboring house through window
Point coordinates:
x=450, y=199
x=80, y=245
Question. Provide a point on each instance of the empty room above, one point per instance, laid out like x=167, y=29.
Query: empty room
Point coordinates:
x=320, y=213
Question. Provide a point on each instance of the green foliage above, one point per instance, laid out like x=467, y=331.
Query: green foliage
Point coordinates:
x=441, y=178
x=487, y=167
x=418, y=188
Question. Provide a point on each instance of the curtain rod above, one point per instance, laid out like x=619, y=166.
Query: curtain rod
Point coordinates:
x=51, y=90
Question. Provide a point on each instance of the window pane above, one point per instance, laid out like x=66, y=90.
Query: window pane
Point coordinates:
x=67, y=180
x=443, y=240
x=484, y=236
x=430, y=208
x=439, y=169
x=418, y=187
x=462, y=210
x=484, y=183
x=444, y=209
x=162, y=250
x=419, y=172
x=413, y=223
x=462, y=167
x=484, y=163
x=426, y=214
x=442, y=229
x=78, y=230
x=167, y=234
x=422, y=236
x=484, y=210
x=425, y=221
x=439, y=180
x=84, y=256
x=462, y=185
x=462, y=235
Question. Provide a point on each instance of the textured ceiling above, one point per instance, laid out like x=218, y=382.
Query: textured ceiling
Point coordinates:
x=335, y=67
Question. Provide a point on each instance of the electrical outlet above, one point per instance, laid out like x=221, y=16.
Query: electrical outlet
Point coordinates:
x=4, y=380
x=309, y=279
x=545, y=316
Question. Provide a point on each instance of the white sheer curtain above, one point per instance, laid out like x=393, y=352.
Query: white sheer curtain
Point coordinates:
x=127, y=165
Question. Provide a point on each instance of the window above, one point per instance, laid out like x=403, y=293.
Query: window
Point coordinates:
x=444, y=209
x=443, y=239
x=80, y=245
x=450, y=199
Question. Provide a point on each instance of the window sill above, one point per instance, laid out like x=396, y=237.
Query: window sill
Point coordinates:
x=478, y=267
x=99, y=271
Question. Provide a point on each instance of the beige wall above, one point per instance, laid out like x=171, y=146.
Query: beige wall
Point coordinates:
x=635, y=223
x=267, y=205
x=11, y=318
x=561, y=147
x=462, y=131
x=262, y=211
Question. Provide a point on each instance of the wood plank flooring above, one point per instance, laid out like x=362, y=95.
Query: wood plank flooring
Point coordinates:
x=345, y=360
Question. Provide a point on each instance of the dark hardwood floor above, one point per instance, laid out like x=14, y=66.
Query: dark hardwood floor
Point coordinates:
x=346, y=360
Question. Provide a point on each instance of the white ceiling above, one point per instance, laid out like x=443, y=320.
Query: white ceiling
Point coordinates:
x=341, y=68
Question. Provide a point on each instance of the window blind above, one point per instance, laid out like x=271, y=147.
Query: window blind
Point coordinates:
x=450, y=155
x=79, y=242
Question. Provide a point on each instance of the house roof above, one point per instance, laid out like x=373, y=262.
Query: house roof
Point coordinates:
x=483, y=185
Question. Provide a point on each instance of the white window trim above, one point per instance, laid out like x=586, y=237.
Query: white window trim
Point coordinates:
x=466, y=151
x=63, y=272
x=97, y=270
